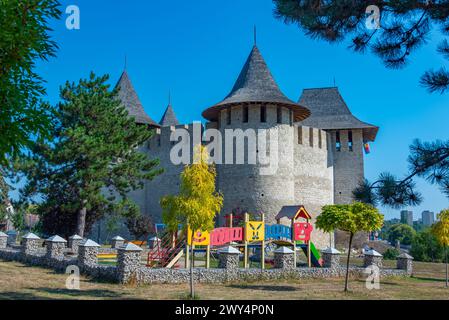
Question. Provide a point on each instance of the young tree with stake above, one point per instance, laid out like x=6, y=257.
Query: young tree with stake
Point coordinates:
x=351, y=218
x=197, y=203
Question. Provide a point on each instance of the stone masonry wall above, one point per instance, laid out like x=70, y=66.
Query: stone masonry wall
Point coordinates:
x=144, y=275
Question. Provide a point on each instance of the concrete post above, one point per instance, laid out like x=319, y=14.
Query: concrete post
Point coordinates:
x=228, y=258
x=55, y=247
x=405, y=262
x=74, y=242
x=117, y=242
x=12, y=237
x=88, y=253
x=30, y=244
x=154, y=242
x=3, y=240
x=128, y=262
x=284, y=258
x=331, y=258
x=372, y=257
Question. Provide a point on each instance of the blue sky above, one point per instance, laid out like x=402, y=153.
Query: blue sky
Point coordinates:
x=196, y=49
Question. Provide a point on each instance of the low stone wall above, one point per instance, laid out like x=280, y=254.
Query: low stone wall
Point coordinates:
x=129, y=267
x=201, y=275
x=106, y=273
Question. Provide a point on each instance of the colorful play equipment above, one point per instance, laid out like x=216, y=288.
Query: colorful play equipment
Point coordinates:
x=293, y=228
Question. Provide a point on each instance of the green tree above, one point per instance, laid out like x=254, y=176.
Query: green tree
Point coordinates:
x=404, y=26
x=93, y=160
x=197, y=203
x=18, y=219
x=351, y=218
x=4, y=198
x=391, y=254
x=426, y=248
x=140, y=227
x=24, y=39
x=441, y=231
x=402, y=232
x=427, y=160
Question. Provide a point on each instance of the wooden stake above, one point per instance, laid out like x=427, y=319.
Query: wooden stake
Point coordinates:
x=245, y=257
x=193, y=254
x=207, y=256
x=262, y=253
x=187, y=257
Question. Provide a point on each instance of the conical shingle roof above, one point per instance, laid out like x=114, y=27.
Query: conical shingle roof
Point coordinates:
x=330, y=112
x=255, y=84
x=169, y=118
x=128, y=96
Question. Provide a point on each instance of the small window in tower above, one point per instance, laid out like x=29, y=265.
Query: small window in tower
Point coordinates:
x=158, y=141
x=228, y=118
x=311, y=137
x=350, y=143
x=337, y=141
x=290, y=116
x=279, y=115
x=263, y=114
x=299, y=135
x=245, y=114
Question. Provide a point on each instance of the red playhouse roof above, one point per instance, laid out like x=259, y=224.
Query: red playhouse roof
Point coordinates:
x=293, y=212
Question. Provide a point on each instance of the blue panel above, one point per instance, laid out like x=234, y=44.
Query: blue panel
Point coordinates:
x=278, y=232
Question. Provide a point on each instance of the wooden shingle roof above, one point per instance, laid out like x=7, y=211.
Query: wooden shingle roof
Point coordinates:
x=256, y=85
x=169, y=118
x=330, y=112
x=128, y=96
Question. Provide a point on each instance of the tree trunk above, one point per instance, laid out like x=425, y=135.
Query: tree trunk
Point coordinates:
x=347, y=262
x=81, y=221
x=447, y=280
x=192, y=288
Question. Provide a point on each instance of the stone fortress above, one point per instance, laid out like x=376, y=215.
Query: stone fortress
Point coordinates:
x=320, y=148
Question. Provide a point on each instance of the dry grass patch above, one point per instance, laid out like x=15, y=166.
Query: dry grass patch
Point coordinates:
x=18, y=281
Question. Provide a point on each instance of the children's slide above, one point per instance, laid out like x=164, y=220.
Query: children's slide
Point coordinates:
x=316, y=257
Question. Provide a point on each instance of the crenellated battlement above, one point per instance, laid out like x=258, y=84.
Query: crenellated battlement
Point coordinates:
x=302, y=135
x=311, y=137
x=161, y=138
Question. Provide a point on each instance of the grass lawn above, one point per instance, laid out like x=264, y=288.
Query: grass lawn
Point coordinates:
x=18, y=281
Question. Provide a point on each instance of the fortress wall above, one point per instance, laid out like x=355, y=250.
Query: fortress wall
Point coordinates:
x=313, y=172
x=304, y=174
x=242, y=184
x=348, y=165
x=169, y=181
x=348, y=173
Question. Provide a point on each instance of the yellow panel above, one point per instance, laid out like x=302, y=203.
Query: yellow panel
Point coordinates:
x=200, y=238
x=255, y=231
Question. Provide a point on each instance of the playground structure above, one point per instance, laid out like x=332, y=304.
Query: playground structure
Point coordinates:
x=252, y=234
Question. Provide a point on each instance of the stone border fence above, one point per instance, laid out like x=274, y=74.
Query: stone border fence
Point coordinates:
x=58, y=254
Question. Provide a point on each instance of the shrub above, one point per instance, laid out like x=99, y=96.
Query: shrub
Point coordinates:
x=391, y=254
x=425, y=247
x=402, y=232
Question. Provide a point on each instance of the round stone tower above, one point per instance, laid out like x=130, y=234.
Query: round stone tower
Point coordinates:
x=256, y=122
